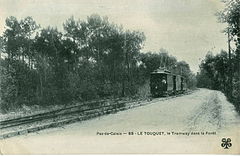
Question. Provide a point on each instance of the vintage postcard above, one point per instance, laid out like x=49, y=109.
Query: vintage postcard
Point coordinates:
x=120, y=77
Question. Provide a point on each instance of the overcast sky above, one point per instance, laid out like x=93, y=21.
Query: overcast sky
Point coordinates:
x=186, y=28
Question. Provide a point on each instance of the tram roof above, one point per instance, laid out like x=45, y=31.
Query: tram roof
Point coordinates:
x=164, y=71
x=161, y=71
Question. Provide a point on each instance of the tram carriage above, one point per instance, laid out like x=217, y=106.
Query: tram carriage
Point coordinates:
x=164, y=83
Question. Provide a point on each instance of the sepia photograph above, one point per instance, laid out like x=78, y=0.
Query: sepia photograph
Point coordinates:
x=119, y=77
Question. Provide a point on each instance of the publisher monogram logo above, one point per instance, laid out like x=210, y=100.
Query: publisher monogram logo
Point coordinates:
x=226, y=143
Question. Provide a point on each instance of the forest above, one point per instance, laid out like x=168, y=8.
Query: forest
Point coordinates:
x=88, y=60
x=222, y=71
x=95, y=59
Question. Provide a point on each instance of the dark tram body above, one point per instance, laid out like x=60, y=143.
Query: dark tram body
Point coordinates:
x=163, y=83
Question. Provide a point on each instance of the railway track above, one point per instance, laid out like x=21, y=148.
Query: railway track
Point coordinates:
x=82, y=108
x=70, y=114
x=31, y=118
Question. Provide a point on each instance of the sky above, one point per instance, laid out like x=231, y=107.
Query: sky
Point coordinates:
x=188, y=29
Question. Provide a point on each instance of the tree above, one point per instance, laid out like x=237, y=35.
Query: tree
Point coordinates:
x=112, y=51
x=231, y=15
x=18, y=37
x=214, y=70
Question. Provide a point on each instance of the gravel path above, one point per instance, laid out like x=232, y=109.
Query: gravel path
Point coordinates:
x=186, y=124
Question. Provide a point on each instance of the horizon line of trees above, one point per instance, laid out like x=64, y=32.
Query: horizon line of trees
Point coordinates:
x=90, y=59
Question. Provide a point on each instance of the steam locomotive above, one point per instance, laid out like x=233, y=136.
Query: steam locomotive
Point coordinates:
x=164, y=83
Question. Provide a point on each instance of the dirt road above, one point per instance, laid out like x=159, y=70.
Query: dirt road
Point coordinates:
x=194, y=123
